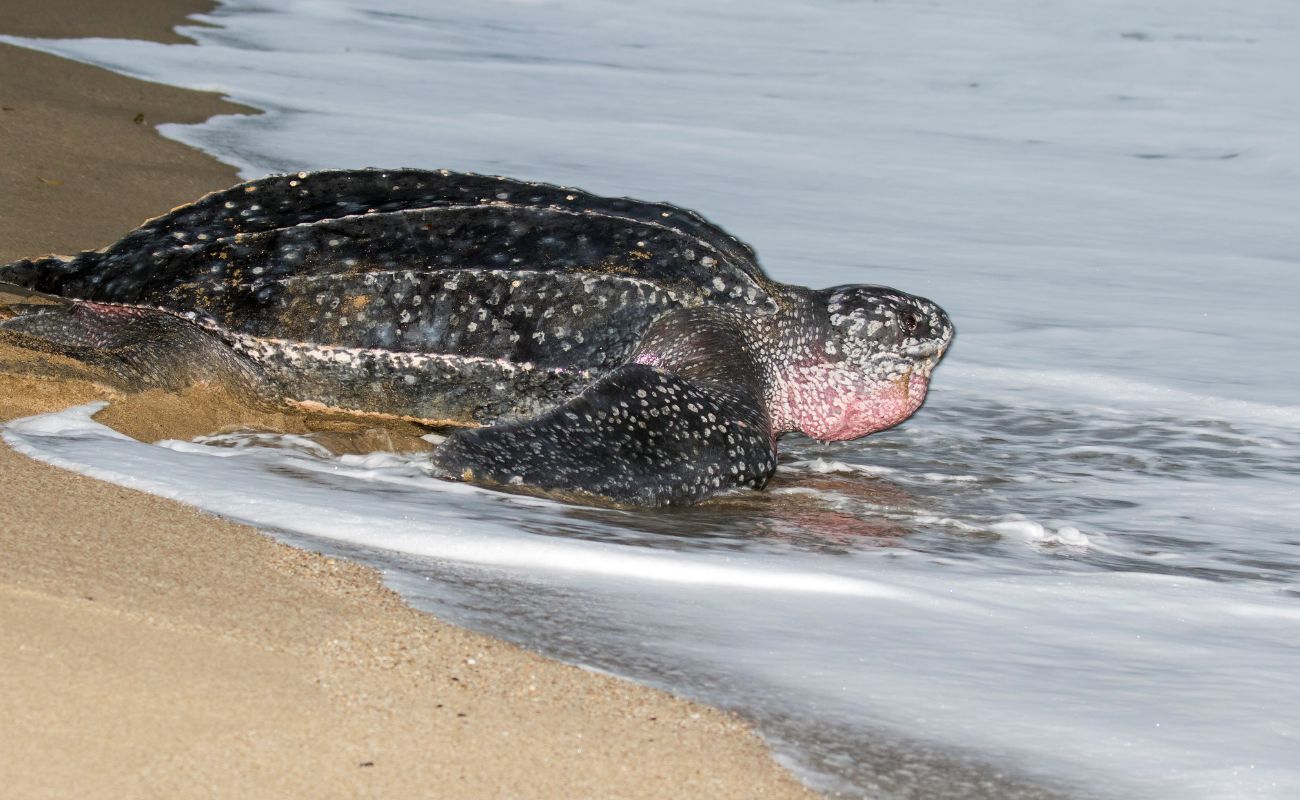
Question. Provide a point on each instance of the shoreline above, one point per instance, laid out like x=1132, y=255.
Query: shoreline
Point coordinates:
x=151, y=649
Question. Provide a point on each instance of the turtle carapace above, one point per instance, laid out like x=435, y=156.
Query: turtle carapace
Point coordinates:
x=594, y=346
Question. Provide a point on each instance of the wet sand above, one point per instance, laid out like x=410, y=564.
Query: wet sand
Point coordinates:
x=150, y=650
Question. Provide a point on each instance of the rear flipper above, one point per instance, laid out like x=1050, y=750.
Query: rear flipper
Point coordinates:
x=137, y=348
x=638, y=436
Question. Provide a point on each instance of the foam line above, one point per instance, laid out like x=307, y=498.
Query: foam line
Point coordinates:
x=171, y=472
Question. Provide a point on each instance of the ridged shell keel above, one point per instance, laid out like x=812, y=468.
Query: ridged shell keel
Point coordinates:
x=541, y=318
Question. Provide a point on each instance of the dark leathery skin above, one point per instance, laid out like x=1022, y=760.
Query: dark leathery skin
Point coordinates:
x=280, y=201
x=543, y=318
x=559, y=289
x=670, y=432
x=573, y=229
x=640, y=435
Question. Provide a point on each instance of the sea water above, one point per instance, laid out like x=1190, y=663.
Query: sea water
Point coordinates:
x=1075, y=571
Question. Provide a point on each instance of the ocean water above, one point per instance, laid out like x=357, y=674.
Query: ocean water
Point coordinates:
x=1075, y=572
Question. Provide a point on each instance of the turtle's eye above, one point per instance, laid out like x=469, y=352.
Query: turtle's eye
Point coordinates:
x=912, y=322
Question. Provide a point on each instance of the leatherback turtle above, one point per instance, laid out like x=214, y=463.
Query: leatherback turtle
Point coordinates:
x=609, y=348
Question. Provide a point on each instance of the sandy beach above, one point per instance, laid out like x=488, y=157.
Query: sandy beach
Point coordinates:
x=150, y=650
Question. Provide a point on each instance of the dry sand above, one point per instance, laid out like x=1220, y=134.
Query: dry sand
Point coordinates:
x=150, y=650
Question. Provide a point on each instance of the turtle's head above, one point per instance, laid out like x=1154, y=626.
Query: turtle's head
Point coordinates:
x=870, y=368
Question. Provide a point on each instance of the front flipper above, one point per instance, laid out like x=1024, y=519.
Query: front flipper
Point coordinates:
x=638, y=436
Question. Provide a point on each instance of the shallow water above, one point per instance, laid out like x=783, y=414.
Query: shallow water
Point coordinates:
x=1077, y=569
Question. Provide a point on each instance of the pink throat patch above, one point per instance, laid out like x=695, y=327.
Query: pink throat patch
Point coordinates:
x=834, y=409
